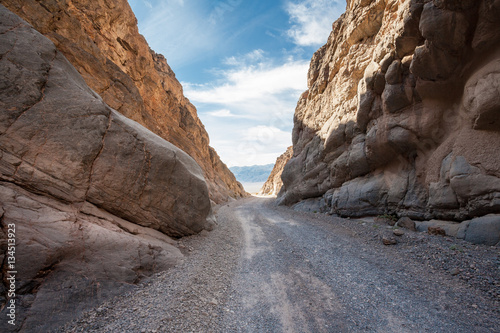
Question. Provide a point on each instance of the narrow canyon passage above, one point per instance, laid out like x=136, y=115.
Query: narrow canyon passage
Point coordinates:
x=271, y=269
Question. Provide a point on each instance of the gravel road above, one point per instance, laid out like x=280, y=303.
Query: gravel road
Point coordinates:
x=271, y=269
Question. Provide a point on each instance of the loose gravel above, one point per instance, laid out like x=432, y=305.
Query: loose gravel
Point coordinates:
x=271, y=269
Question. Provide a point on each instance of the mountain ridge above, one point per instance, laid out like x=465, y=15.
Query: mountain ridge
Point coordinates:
x=252, y=173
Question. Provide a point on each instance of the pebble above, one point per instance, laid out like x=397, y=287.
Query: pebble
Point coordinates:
x=389, y=241
x=398, y=232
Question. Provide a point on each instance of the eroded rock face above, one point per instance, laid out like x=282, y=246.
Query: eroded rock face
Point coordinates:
x=273, y=184
x=92, y=194
x=402, y=112
x=101, y=40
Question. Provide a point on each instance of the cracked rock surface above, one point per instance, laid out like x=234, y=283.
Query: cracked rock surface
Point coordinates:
x=94, y=196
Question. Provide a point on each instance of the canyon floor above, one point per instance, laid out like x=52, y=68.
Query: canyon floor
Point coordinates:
x=271, y=269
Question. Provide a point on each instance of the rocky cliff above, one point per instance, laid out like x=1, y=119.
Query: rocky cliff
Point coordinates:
x=87, y=196
x=101, y=39
x=402, y=112
x=274, y=183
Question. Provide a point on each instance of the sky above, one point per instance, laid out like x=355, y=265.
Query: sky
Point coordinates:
x=243, y=64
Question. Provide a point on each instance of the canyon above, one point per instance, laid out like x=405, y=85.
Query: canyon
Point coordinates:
x=111, y=191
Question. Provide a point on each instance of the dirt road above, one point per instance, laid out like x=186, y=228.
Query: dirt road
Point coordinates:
x=268, y=269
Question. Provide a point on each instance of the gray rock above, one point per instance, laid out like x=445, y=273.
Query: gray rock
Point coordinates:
x=484, y=230
x=482, y=97
x=431, y=133
x=396, y=97
x=394, y=73
x=315, y=205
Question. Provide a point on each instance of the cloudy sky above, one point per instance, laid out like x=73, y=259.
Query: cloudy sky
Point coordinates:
x=243, y=64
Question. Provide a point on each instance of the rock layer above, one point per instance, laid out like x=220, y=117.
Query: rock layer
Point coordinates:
x=91, y=193
x=274, y=183
x=101, y=39
x=401, y=115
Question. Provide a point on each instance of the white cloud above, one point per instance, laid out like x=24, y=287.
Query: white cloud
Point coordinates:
x=252, y=104
x=221, y=113
x=256, y=145
x=252, y=83
x=312, y=20
x=249, y=58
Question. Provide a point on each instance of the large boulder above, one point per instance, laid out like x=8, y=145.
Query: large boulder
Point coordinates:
x=93, y=196
x=101, y=40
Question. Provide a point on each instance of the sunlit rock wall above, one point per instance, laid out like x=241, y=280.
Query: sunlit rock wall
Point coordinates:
x=101, y=39
x=402, y=112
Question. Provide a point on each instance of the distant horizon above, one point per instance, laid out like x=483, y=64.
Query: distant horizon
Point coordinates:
x=242, y=64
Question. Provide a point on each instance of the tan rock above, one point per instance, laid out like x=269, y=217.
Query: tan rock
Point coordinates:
x=91, y=194
x=389, y=241
x=407, y=223
x=436, y=231
x=273, y=184
x=407, y=120
x=101, y=39
x=398, y=232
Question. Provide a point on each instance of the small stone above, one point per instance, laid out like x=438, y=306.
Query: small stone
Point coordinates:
x=436, y=231
x=407, y=223
x=398, y=232
x=389, y=241
x=455, y=271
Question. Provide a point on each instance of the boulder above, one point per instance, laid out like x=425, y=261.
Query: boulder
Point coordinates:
x=73, y=257
x=484, y=230
x=102, y=41
x=93, y=196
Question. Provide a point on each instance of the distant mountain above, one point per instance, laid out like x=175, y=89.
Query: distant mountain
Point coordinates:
x=252, y=174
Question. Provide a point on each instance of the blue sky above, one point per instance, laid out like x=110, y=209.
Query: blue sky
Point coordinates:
x=243, y=64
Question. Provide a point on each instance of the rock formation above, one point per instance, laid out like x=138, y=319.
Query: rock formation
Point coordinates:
x=274, y=183
x=91, y=194
x=101, y=39
x=402, y=112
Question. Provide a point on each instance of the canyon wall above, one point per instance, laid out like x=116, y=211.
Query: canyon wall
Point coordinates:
x=101, y=39
x=402, y=112
x=88, y=198
x=274, y=183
